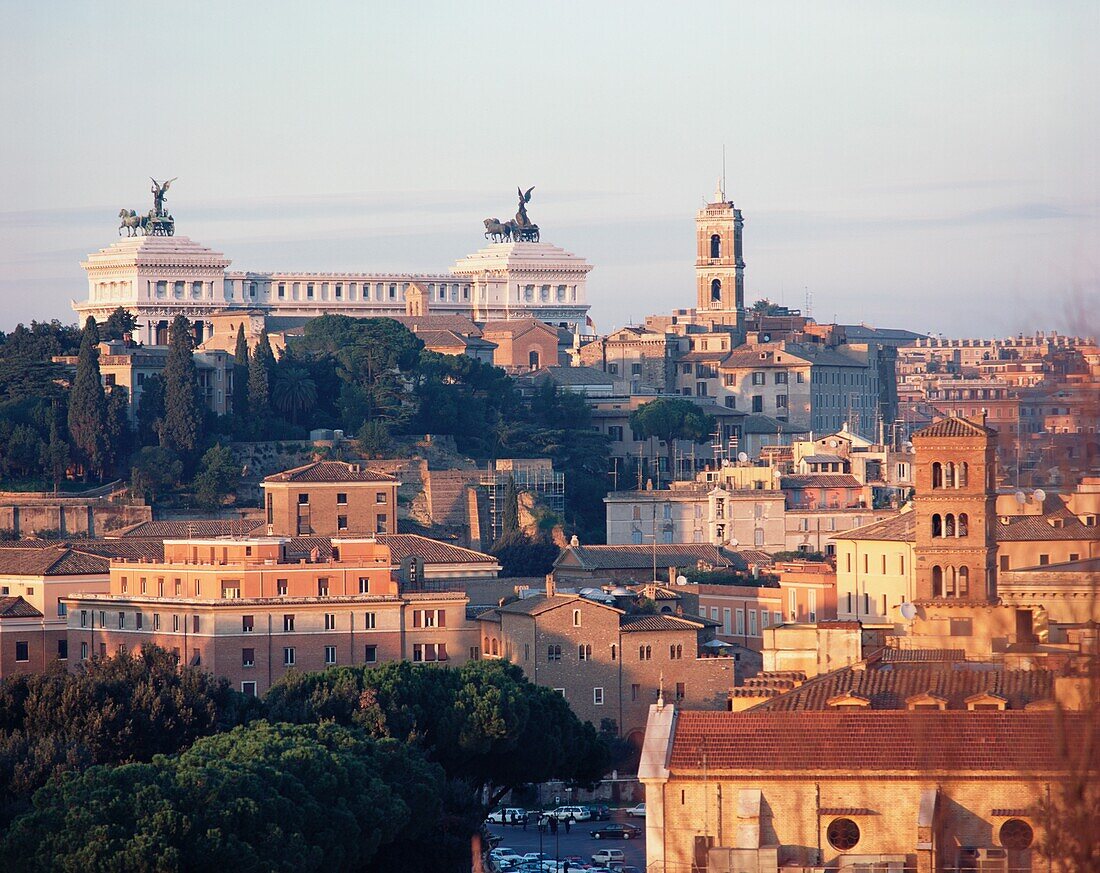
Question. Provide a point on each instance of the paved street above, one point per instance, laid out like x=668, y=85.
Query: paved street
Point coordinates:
x=576, y=842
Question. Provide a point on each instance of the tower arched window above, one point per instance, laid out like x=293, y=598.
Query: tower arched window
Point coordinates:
x=716, y=291
x=949, y=582
x=949, y=475
x=533, y=359
x=715, y=246
x=937, y=581
x=964, y=581
x=949, y=525
x=964, y=474
x=964, y=524
x=937, y=525
x=937, y=474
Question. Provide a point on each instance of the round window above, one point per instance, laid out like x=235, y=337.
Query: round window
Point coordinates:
x=1016, y=834
x=843, y=834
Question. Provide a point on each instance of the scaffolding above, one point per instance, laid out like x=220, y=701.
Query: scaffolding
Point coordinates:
x=537, y=476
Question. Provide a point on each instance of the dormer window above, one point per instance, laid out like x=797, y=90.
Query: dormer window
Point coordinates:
x=984, y=701
x=848, y=700
x=925, y=702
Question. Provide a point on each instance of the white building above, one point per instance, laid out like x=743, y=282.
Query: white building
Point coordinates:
x=159, y=277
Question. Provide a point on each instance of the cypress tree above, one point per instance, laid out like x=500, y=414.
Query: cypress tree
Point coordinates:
x=260, y=366
x=88, y=405
x=120, y=435
x=181, y=427
x=240, y=374
x=509, y=515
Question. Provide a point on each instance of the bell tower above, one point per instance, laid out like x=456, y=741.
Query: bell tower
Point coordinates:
x=956, y=511
x=719, y=265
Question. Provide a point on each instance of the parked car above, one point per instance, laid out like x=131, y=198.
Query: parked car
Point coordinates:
x=508, y=814
x=600, y=811
x=503, y=853
x=637, y=811
x=616, y=831
x=577, y=813
x=606, y=856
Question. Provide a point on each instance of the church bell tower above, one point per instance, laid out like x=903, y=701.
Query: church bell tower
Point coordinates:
x=719, y=265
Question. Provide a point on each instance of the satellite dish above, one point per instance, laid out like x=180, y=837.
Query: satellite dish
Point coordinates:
x=1021, y=498
x=734, y=543
x=766, y=338
x=778, y=474
x=1040, y=495
x=742, y=457
x=681, y=580
x=908, y=446
x=908, y=611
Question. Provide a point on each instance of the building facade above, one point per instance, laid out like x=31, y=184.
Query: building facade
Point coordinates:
x=330, y=499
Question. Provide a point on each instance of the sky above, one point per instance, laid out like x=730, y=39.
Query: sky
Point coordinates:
x=930, y=166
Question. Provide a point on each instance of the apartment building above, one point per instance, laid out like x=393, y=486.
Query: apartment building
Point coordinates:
x=607, y=662
x=250, y=609
x=330, y=498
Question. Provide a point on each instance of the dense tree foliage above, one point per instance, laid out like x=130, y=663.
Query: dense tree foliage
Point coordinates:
x=88, y=406
x=155, y=470
x=118, y=324
x=523, y=555
x=240, y=373
x=262, y=797
x=669, y=419
x=150, y=411
x=110, y=711
x=260, y=365
x=483, y=722
x=219, y=475
x=181, y=427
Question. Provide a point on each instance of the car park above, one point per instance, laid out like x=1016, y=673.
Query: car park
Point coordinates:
x=577, y=813
x=600, y=811
x=637, y=811
x=607, y=856
x=616, y=831
x=507, y=815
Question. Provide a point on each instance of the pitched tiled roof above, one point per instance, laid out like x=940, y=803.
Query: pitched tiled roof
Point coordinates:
x=889, y=687
x=905, y=742
x=330, y=471
x=954, y=426
x=17, y=607
x=573, y=376
x=458, y=323
x=894, y=656
x=900, y=529
x=820, y=480
x=431, y=551
x=179, y=529
x=57, y=560
x=629, y=623
x=640, y=557
x=1038, y=527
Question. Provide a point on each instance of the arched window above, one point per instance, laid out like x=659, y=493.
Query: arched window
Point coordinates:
x=964, y=524
x=715, y=246
x=937, y=475
x=964, y=474
x=949, y=525
x=937, y=581
x=964, y=581
x=496, y=650
x=533, y=359
x=949, y=587
x=949, y=475
x=716, y=291
x=937, y=525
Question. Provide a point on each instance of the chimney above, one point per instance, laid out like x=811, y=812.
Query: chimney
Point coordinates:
x=551, y=586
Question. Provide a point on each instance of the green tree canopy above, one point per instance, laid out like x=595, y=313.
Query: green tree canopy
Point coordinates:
x=669, y=419
x=263, y=797
x=118, y=324
x=260, y=366
x=294, y=392
x=155, y=470
x=240, y=373
x=182, y=425
x=150, y=411
x=218, y=477
x=765, y=307
x=521, y=555
x=88, y=405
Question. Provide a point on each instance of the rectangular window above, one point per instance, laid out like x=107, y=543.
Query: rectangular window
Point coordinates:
x=341, y=498
x=681, y=690
x=248, y=657
x=341, y=522
x=288, y=656
x=1044, y=560
x=83, y=651
x=758, y=403
x=121, y=620
x=370, y=654
x=553, y=653
x=156, y=621
x=330, y=655
x=781, y=377
x=247, y=624
x=584, y=652
x=597, y=696
x=758, y=377
x=22, y=651
x=812, y=605
x=727, y=621
x=764, y=616
x=62, y=649
x=288, y=623
x=194, y=624
x=792, y=604
x=83, y=618
x=281, y=587
x=380, y=497
x=139, y=620
x=364, y=585
x=740, y=622
x=330, y=621
x=752, y=623
x=383, y=523
x=368, y=620
x=322, y=587
x=634, y=691
x=249, y=688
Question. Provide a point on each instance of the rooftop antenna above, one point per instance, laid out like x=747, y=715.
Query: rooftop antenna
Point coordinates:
x=723, y=168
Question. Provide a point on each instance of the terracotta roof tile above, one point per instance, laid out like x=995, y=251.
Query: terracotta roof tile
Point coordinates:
x=330, y=471
x=954, y=426
x=57, y=560
x=901, y=528
x=179, y=529
x=17, y=607
x=629, y=623
x=640, y=557
x=819, y=480
x=908, y=742
x=1031, y=528
x=888, y=686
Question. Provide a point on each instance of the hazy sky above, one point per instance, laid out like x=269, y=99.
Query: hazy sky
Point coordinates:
x=922, y=165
